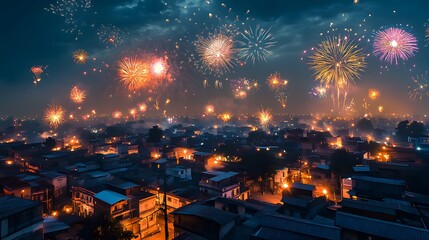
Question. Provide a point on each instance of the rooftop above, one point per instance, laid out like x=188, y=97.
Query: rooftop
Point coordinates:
x=10, y=205
x=380, y=180
x=210, y=213
x=110, y=197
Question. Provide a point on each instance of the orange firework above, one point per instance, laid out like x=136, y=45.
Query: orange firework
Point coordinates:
x=240, y=94
x=264, y=116
x=143, y=107
x=209, y=109
x=80, y=56
x=134, y=73
x=117, y=114
x=37, y=72
x=275, y=81
x=54, y=115
x=373, y=94
x=77, y=95
x=226, y=117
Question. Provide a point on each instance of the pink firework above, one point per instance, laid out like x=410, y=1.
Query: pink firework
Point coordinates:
x=393, y=44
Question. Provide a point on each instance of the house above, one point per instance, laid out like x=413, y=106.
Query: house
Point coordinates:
x=377, y=188
x=179, y=172
x=204, y=221
x=58, y=180
x=112, y=204
x=20, y=219
x=222, y=184
x=299, y=201
x=147, y=214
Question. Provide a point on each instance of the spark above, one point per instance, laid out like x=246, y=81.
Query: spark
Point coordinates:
x=420, y=88
x=281, y=98
x=209, y=109
x=117, y=114
x=275, y=81
x=225, y=117
x=80, y=56
x=319, y=91
x=110, y=35
x=72, y=12
x=216, y=52
x=54, y=115
x=256, y=44
x=393, y=44
x=37, y=73
x=264, y=116
x=373, y=94
x=77, y=95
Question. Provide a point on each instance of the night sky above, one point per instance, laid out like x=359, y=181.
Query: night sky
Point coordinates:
x=33, y=36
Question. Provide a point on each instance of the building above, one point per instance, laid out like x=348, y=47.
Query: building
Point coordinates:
x=20, y=219
x=204, y=221
x=222, y=184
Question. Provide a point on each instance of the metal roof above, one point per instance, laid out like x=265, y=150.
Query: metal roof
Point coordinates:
x=110, y=197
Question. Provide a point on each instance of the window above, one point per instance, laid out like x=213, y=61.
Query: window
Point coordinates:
x=168, y=199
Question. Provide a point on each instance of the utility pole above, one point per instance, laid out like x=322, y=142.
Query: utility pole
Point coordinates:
x=165, y=207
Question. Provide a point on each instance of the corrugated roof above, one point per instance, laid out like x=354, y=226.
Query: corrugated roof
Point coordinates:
x=10, y=205
x=110, y=197
x=380, y=180
x=210, y=213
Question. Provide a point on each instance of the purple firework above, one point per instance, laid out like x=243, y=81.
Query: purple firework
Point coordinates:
x=393, y=44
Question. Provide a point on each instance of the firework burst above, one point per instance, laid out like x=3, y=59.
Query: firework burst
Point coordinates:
x=80, y=56
x=337, y=62
x=77, y=95
x=393, y=44
x=209, y=109
x=216, y=52
x=54, y=115
x=72, y=12
x=264, y=116
x=256, y=44
x=420, y=88
x=225, y=117
x=37, y=73
x=242, y=87
x=111, y=35
x=373, y=94
x=275, y=82
x=319, y=91
x=134, y=73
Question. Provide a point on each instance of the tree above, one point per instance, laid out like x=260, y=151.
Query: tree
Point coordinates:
x=49, y=143
x=416, y=129
x=365, y=125
x=406, y=129
x=342, y=163
x=257, y=137
x=105, y=228
x=155, y=134
x=259, y=165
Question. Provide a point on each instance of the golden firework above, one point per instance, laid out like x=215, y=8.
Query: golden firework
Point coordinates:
x=264, y=116
x=77, y=95
x=209, y=109
x=54, y=115
x=134, y=73
x=216, y=51
x=275, y=81
x=337, y=62
x=373, y=94
x=225, y=117
x=80, y=56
